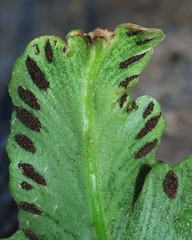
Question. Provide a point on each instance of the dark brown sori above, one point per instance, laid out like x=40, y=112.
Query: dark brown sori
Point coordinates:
x=170, y=184
x=132, y=106
x=37, y=50
x=30, y=234
x=30, y=207
x=28, y=119
x=134, y=33
x=64, y=49
x=29, y=172
x=127, y=80
x=48, y=52
x=28, y=97
x=26, y=186
x=147, y=148
x=122, y=100
x=150, y=125
x=55, y=42
x=25, y=142
x=144, y=41
x=148, y=110
x=37, y=76
x=131, y=60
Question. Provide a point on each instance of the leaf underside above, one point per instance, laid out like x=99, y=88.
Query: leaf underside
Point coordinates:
x=82, y=152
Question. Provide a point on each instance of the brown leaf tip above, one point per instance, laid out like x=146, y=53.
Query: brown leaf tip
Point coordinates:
x=102, y=34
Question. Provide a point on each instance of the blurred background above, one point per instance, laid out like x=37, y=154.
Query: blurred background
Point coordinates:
x=168, y=77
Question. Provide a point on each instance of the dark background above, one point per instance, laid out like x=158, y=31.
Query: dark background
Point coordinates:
x=168, y=77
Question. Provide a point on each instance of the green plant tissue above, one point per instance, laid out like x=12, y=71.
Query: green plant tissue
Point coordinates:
x=82, y=151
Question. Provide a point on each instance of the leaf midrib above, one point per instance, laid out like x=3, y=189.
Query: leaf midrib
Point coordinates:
x=90, y=142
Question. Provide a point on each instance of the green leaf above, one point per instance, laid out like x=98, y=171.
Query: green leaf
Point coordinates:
x=80, y=148
x=19, y=235
x=163, y=210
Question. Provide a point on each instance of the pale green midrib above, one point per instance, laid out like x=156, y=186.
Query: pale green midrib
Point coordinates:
x=89, y=145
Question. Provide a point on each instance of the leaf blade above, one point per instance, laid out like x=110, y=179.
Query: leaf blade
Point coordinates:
x=164, y=203
x=71, y=147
